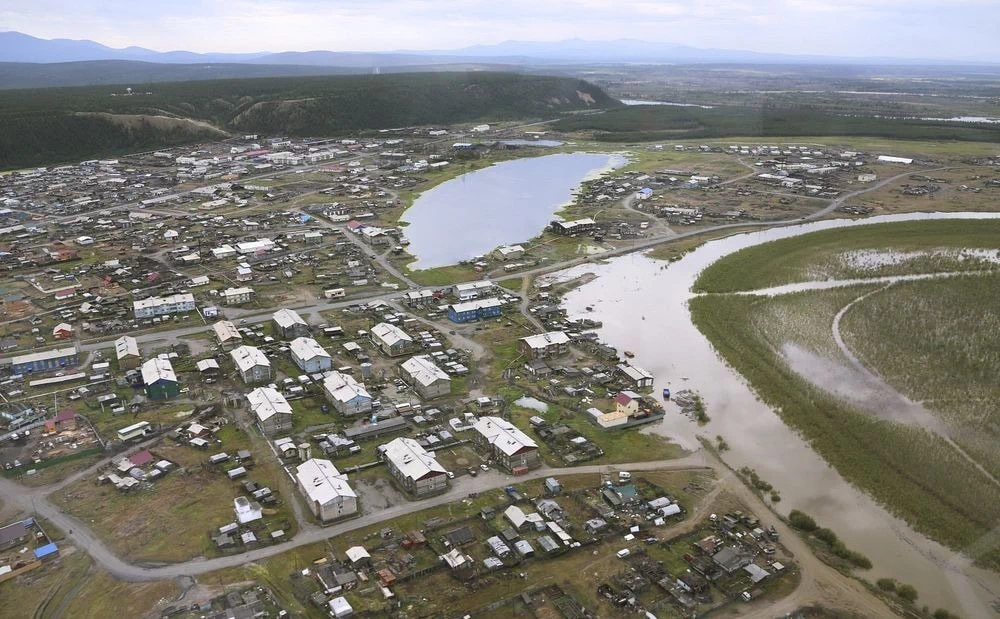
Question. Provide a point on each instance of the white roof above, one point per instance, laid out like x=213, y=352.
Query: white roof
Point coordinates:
x=225, y=330
x=45, y=354
x=233, y=292
x=287, y=318
x=126, y=345
x=507, y=437
x=322, y=482
x=477, y=304
x=266, y=402
x=306, y=348
x=246, y=357
x=340, y=607
x=207, y=364
x=633, y=372
x=578, y=222
x=157, y=369
x=412, y=460
x=542, y=340
x=390, y=334
x=423, y=370
x=357, y=553
x=343, y=387
x=483, y=284
x=509, y=249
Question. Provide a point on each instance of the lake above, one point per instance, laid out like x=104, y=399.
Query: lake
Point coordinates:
x=506, y=203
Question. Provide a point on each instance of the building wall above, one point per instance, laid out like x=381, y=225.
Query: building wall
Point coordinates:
x=162, y=390
x=356, y=406
x=316, y=364
x=438, y=389
x=529, y=458
x=276, y=423
x=430, y=485
x=292, y=332
x=338, y=508
x=45, y=365
x=256, y=374
x=129, y=362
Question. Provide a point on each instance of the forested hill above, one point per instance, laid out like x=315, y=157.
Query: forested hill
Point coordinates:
x=65, y=124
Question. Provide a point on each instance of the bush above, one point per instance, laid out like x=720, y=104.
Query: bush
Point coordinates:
x=801, y=521
x=942, y=614
x=886, y=584
x=826, y=535
x=907, y=593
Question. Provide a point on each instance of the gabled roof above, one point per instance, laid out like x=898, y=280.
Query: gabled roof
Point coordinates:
x=343, y=387
x=266, y=402
x=286, y=318
x=423, y=370
x=542, y=340
x=504, y=435
x=390, y=334
x=126, y=346
x=246, y=357
x=412, y=460
x=157, y=369
x=322, y=482
x=225, y=330
x=306, y=348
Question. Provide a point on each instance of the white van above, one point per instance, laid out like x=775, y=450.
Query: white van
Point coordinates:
x=624, y=552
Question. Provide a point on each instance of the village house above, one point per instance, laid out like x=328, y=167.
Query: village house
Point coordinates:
x=474, y=310
x=391, y=340
x=508, y=252
x=127, y=353
x=63, y=331
x=272, y=410
x=309, y=356
x=162, y=306
x=160, y=380
x=228, y=335
x=425, y=377
x=237, y=296
x=326, y=489
x=417, y=470
x=467, y=291
x=252, y=364
x=45, y=361
x=289, y=325
x=348, y=396
x=578, y=226
x=551, y=344
x=635, y=376
x=506, y=443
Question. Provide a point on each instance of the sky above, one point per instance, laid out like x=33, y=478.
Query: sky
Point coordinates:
x=946, y=29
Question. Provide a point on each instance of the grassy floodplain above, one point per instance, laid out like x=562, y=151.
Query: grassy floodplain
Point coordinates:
x=820, y=255
x=952, y=365
x=934, y=341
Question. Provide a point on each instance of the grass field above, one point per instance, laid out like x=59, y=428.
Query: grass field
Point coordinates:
x=844, y=253
x=925, y=338
x=917, y=335
x=188, y=503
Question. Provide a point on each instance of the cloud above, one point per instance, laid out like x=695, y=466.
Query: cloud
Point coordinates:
x=905, y=28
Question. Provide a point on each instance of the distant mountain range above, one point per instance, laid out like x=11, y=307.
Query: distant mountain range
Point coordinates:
x=20, y=47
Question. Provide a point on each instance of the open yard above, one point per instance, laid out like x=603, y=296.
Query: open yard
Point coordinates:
x=189, y=502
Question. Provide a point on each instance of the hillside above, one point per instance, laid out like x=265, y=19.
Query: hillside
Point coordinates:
x=45, y=125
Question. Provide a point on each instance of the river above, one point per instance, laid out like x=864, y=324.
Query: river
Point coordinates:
x=508, y=202
x=642, y=304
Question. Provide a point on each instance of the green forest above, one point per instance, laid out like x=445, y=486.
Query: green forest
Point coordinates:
x=661, y=123
x=43, y=126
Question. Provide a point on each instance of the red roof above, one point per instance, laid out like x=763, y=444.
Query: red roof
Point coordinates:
x=141, y=457
x=623, y=399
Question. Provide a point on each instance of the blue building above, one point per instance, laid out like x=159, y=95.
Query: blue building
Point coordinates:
x=474, y=310
x=45, y=361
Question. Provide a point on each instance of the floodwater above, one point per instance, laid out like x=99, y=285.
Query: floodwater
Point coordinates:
x=509, y=202
x=533, y=403
x=543, y=143
x=967, y=119
x=670, y=103
x=642, y=304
